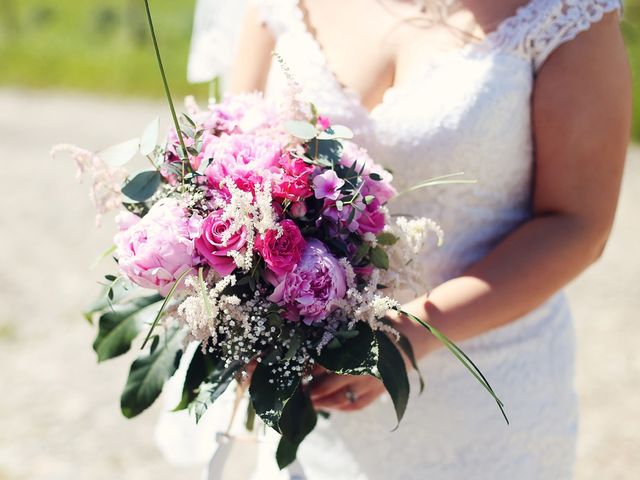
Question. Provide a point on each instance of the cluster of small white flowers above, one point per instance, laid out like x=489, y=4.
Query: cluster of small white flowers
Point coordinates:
x=365, y=304
x=412, y=235
x=105, y=191
x=201, y=309
x=251, y=211
x=371, y=239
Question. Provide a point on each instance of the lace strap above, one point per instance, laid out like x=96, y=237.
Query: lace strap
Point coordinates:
x=279, y=15
x=541, y=26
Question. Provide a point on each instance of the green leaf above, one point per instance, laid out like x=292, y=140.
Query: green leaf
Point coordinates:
x=120, y=154
x=142, y=186
x=357, y=355
x=200, y=368
x=103, y=302
x=405, y=345
x=300, y=129
x=118, y=328
x=270, y=391
x=379, y=258
x=336, y=131
x=375, y=177
x=387, y=239
x=393, y=373
x=216, y=386
x=149, y=138
x=149, y=373
x=298, y=419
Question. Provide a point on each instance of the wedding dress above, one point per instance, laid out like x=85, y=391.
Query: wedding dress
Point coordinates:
x=468, y=110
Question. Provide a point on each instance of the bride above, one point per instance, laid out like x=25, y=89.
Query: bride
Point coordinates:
x=532, y=100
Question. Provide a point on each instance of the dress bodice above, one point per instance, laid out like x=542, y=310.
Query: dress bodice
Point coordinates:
x=464, y=111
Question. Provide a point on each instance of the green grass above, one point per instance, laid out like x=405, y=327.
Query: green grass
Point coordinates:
x=94, y=45
x=103, y=46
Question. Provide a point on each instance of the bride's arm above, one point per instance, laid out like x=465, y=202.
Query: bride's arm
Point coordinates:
x=251, y=66
x=581, y=116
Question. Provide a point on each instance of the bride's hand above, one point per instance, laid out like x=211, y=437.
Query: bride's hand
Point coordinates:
x=347, y=393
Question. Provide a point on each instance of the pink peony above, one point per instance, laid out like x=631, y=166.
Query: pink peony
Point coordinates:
x=247, y=113
x=211, y=246
x=312, y=286
x=247, y=160
x=153, y=252
x=281, y=253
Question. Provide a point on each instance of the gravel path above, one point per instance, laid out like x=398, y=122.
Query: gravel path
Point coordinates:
x=58, y=411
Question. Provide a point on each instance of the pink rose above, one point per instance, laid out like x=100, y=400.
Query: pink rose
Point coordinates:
x=154, y=251
x=298, y=210
x=312, y=286
x=211, y=246
x=372, y=219
x=292, y=183
x=281, y=253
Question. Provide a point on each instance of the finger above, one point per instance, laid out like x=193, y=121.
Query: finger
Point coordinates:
x=328, y=384
x=361, y=402
x=319, y=370
x=335, y=401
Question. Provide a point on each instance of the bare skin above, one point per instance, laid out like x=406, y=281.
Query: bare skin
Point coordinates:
x=581, y=109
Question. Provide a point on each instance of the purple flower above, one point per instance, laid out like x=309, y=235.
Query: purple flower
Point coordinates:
x=327, y=185
x=312, y=286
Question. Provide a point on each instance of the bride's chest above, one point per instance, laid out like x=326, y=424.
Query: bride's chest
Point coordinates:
x=465, y=111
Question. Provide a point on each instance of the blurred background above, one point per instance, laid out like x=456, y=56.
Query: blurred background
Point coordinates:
x=82, y=71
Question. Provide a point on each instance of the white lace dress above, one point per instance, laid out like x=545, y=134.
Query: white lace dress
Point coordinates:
x=469, y=111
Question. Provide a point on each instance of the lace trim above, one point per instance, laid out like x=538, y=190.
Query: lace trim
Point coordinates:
x=541, y=26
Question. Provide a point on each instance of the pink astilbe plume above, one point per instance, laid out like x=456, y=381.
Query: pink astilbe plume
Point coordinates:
x=105, y=191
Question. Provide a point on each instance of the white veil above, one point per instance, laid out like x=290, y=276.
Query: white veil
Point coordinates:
x=216, y=28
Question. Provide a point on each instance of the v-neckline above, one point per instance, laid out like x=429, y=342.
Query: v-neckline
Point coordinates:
x=490, y=38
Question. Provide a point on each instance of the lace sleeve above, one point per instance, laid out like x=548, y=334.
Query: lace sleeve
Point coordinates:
x=562, y=21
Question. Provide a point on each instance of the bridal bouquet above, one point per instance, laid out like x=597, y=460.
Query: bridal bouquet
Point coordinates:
x=268, y=242
x=263, y=234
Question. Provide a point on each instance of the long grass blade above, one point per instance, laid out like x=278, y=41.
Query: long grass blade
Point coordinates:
x=462, y=358
x=162, y=307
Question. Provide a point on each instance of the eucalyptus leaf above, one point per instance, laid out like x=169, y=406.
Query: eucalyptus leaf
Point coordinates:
x=379, y=257
x=118, y=328
x=149, y=373
x=300, y=129
x=120, y=154
x=149, y=138
x=387, y=239
x=393, y=373
x=142, y=186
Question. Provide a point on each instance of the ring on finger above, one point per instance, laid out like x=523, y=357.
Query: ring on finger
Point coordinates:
x=351, y=395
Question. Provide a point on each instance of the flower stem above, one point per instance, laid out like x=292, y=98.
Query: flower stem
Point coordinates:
x=166, y=87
